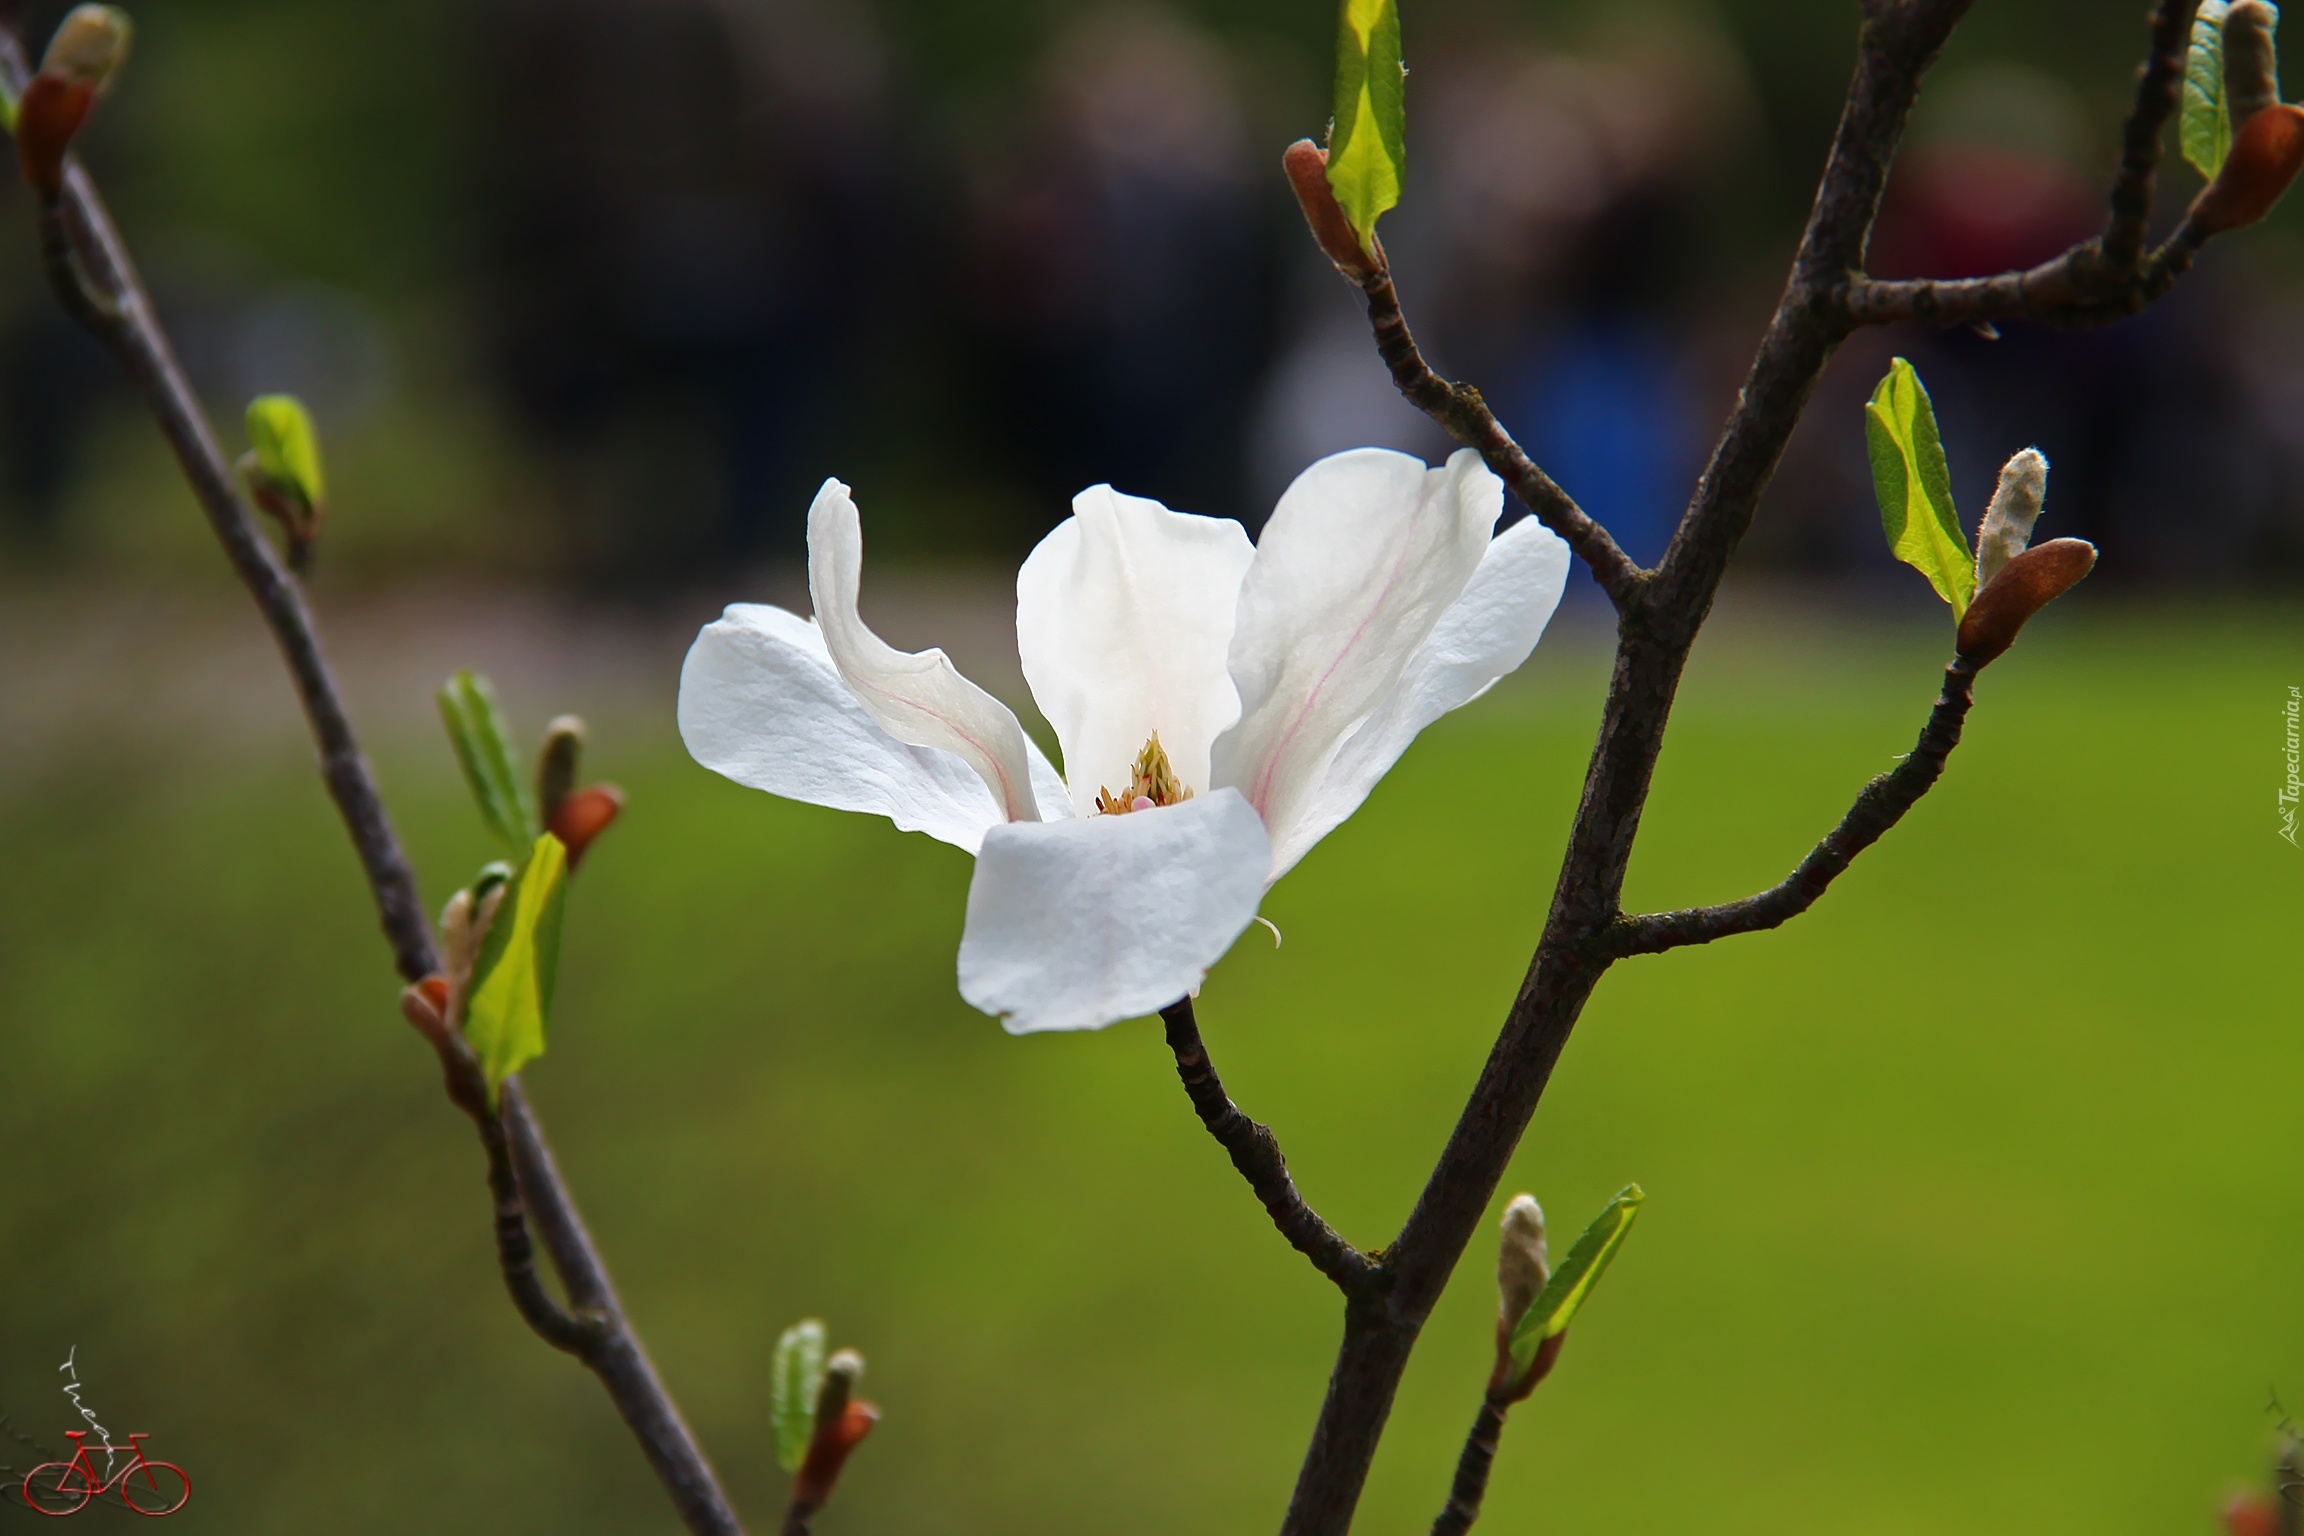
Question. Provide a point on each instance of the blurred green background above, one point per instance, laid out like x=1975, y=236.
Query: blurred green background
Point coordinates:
x=1974, y=1194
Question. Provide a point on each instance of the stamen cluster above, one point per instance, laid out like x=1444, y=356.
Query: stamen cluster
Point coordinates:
x=1151, y=782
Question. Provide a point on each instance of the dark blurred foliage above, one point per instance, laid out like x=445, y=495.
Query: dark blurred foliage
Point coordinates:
x=676, y=260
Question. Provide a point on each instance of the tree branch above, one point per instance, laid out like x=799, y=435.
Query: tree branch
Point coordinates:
x=1659, y=624
x=2098, y=280
x=1256, y=1153
x=1459, y=409
x=1471, y=1485
x=98, y=285
x=1880, y=806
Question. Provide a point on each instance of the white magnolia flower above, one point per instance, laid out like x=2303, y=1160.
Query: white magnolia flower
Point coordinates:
x=1221, y=707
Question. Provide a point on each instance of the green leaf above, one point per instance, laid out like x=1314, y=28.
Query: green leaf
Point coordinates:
x=1915, y=487
x=1572, y=1283
x=1367, y=143
x=2204, y=128
x=484, y=749
x=512, y=980
x=794, y=1381
x=287, y=448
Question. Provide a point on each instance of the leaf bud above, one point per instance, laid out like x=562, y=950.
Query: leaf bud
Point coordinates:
x=47, y=116
x=842, y=1422
x=1306, y=165
x=583, y=816
x=88, y=46
x=2025, y=585
x=2015, y=507
x=1522, y=1265
x=556, y=763
x=2251, y=1514
x=2266, y=152
x=425, y=1005
x=2251, y=61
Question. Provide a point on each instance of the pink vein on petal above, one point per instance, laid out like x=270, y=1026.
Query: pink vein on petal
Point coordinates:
x=1295, y=725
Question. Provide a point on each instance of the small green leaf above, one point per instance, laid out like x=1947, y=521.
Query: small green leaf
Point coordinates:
x=484, y=749
x=1367, y=143
x=1572, y=1283
x=794, y=1380
x=512, y=980
x=2204, y=128
x=1915, y=487
x=287, y=448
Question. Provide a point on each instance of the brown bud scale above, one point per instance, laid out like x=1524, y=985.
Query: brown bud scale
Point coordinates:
x=2025, y=585
x=48, y=114
x=2266, y=153
x=1307, y=166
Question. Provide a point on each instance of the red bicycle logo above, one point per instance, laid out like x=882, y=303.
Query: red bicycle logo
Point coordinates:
x=66, y=1487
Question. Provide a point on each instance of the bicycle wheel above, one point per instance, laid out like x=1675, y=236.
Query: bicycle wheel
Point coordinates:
x=155, y=1487
x=58, y=1488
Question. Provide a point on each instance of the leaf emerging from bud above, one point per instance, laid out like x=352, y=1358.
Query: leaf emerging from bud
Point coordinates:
x=2251, y=64
x=2025, y=585
x=1522, y=1264
x=2015, y=507
x=1307, y=166
x=556, y=764
x=2267, y=151
x=89, y=45
x=842, y=1422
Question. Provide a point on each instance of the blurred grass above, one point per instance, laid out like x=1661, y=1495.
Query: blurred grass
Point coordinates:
x=1973, y=1194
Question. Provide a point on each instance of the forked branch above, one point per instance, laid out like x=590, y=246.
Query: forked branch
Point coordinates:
x=2098, y=280
x=1880, y=806
x=1256, y=1153
x=1459, y=409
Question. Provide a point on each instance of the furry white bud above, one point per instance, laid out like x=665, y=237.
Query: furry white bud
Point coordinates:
x=2007, y=526
x=1522, y=1264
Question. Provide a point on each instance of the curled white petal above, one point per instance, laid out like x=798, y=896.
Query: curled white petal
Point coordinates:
x=1124, y=618
x=1362, y=557
x=918, y=697
x=1077, y=924
x=1485, y=634
x=761, y=702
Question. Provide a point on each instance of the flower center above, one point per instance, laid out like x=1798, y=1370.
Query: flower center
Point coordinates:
x=1151, y=782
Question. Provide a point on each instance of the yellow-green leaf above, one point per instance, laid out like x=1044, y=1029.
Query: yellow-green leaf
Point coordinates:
x=794, y=1380
x=484, y=751
x=287, y=448
x=1367, y=142
x=512, y=980
x=1572, y=1283
x=1915, y=487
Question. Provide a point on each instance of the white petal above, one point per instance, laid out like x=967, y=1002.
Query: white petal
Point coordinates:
x=918, y=697
x=1124, y=619
x=761, y=702
x=1486, y=633
x=1077, y=924
x=1363, y=555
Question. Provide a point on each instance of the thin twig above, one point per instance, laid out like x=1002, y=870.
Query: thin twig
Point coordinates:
x=1471, y=1485
x=1898, y=43
x=98, y=284
x=1880, y=806
x=2099, y=280
x=1459, y=409
x=1256, y=1153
